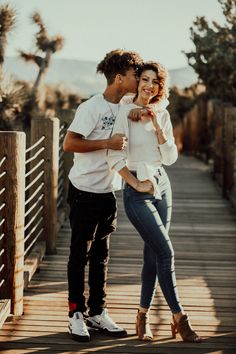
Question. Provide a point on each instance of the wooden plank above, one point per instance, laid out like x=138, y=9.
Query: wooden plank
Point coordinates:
x=33, y=261
x=205, y=266
x=5, y=309
x=12, y=145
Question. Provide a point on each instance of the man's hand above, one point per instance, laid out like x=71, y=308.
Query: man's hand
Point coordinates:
x=117, y=142
x=137, y=114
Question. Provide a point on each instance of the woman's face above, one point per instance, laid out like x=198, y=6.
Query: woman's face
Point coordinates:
x=148, y=86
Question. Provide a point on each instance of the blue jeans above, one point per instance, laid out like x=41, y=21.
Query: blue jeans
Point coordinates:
x=151, y=218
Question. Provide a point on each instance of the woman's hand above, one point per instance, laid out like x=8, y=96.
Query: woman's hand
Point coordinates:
x=153, y=118
x=159, y=131
x=145, y=187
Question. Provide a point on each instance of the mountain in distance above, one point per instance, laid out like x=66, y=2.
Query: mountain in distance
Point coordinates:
x=80, y=76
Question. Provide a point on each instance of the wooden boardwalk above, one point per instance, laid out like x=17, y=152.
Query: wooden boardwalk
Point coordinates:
x=204, y=236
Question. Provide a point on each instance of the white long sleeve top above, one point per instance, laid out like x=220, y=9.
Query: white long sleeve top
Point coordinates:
x=143, y=153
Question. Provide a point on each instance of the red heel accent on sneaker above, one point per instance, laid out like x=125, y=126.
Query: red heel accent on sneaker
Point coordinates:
x=72, y=306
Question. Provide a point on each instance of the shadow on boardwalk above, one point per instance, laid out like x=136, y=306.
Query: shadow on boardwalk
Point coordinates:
x=203, y=233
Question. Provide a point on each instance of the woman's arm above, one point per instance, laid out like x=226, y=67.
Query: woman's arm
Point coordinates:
x=165, y=138
x=159, y=132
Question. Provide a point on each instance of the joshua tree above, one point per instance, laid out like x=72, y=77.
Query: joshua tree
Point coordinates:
x=47, y=46
x=12, y=94
x=214, y=56
x=12, y=100
x=7, y=22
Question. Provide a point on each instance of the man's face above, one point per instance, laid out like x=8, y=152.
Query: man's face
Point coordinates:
x=129, y=81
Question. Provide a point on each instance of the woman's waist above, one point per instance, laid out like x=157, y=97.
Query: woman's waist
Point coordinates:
x=160, y=180
x=154, y=169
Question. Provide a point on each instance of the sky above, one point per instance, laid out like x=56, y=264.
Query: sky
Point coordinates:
x=157, y=29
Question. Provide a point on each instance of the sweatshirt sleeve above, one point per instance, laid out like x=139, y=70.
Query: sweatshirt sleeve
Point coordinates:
x=168, y=150
x=117, y=158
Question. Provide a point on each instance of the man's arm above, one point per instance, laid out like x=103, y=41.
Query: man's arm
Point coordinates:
x=75, y=142
x=137, y=114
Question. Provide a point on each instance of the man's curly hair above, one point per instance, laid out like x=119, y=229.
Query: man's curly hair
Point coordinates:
x=118, y=61
x=162, y=76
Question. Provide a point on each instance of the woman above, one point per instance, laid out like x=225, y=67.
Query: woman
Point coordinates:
x=147, y=194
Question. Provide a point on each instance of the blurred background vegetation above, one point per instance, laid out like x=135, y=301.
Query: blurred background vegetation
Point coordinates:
x=213, y=59
x=203, y=114
x=21, y=101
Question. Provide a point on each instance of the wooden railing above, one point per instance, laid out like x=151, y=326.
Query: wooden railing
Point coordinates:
x=32, y=206
x=208, y=131
x=12, y=148
x=5, y=301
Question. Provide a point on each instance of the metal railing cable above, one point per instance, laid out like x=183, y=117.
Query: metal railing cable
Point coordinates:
x=3, y=175
x=35, y=144
x=61, y=189
x=34, y=194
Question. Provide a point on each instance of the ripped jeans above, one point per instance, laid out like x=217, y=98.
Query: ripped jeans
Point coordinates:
x=151, y=218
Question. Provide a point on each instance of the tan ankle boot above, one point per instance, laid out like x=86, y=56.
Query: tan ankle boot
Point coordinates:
x=143, y=330
x=184, y=328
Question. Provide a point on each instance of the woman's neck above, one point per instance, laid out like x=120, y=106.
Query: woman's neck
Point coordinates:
x=141, y=102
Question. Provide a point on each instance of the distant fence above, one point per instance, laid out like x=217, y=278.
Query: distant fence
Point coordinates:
x=208, y=131
x=32, y=206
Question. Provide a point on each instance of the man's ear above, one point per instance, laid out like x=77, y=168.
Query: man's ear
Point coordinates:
x=119, y=78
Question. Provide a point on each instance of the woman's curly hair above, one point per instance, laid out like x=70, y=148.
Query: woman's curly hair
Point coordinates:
x=162, y=76
x=118, y=61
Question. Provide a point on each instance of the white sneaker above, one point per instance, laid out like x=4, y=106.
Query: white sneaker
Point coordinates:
x=104, y=323
x=78, y=328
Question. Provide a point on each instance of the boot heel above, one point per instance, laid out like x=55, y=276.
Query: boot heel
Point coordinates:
x=136, y=328
x=184, y=328
x=173, y=330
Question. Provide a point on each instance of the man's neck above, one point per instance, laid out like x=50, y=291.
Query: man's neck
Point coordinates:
x=112, y=94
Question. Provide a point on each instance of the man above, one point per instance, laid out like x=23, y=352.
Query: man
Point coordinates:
x=91, y=198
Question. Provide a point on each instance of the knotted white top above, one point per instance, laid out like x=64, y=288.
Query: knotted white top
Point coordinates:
x=143, y=153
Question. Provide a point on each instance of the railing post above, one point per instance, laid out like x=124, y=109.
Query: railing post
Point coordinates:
x=12, y=145
x=49, y=127
x=229, y=154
